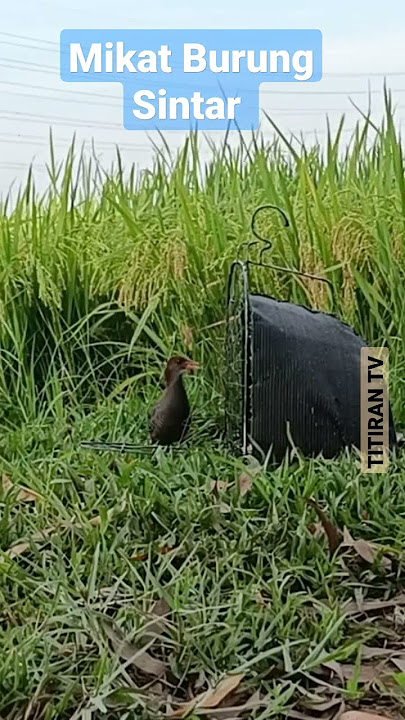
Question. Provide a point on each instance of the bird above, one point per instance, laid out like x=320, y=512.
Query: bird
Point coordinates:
x=169, y=420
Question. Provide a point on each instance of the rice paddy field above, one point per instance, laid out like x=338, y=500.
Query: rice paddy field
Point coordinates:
x=183, y=584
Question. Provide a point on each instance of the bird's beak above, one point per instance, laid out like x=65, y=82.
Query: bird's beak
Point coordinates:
x=191, y=366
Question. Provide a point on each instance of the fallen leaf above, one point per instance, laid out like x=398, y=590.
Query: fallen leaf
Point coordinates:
x=366, y=550
x=358, y=715
x=260, y=600
x=156, y=622
x=296, y=715
x=226, y=686
x=201, y=680
x=218, y=486
x=336, y=668
x=245, y=484
x=333, y=713
x=371, y=605
x=322, y=705
x=399, y=662
x=371, y=652
x=160, y=608
x=332, y=533
x=137, y=656
x=16, y=550
x=367, y=674
x=163, y=550
x=22, y=547
x=232, y=712
x=96, y=521
x=24, y=493
x=209, y=699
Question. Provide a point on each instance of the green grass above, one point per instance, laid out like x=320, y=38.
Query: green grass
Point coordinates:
x=104, y=277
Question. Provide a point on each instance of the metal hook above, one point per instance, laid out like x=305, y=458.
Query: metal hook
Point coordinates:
x=268, y=244
x=266, y=241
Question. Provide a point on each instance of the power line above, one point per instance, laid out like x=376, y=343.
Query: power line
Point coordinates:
x=21, y=166
x=49, y=120
x=41, y=141
x=292, y=93
x=89, y=102
x=38, y=140
x=51, y=89
x=34, y=67
x=28, y=46
x=78, y=122
x=80, y=101
x=28, y=37
x=388, y=73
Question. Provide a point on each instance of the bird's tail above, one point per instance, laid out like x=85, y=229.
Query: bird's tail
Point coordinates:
x=122, y=447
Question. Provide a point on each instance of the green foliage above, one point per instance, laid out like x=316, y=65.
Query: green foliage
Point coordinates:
x=101, y=279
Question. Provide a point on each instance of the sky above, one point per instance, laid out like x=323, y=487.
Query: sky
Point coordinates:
x=363, y=42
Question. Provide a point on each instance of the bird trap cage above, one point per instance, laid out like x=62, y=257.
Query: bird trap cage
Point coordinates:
x=292, y=375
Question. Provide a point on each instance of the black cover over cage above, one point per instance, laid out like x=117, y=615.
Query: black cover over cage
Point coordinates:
x=292, y=375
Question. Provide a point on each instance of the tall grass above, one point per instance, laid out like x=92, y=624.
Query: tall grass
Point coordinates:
x=101, y=279
x=109, y=271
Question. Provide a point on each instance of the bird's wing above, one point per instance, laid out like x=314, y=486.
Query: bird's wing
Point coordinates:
x=169, y=415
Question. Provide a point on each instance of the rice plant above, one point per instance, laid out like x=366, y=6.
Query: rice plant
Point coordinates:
x=102, y=278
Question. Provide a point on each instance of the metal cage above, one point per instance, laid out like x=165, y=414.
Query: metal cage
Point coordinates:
x=287, y=364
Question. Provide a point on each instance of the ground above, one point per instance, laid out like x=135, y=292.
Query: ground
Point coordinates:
x=205, y=568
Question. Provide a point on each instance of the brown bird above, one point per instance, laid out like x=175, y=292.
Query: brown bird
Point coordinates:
x=170, y=419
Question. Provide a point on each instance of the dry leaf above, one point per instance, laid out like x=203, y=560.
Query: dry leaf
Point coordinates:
x=201, y=680
x=399, y=662
x=137, y=656
x=160, y=608
x=321, y=705
x=331, y=715
x=217, y=695
x=245, y=484
x=332, y=533
x=210, y=699
x=336, y=668
x=156, y=623
x=358, y=715
x=371, y=652
x=163, y=550
x=218, y=486
x=352, y=608
x=24, y=494
x=260, y=600
x=316, y=529
x=16, y=550
x=368, y=673
x=232, y=712
x=366, y=550
x=22, y=547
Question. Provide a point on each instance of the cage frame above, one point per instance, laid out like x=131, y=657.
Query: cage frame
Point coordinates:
x=244, y=264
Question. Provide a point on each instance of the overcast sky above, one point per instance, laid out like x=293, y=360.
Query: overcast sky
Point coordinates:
x=362, y=42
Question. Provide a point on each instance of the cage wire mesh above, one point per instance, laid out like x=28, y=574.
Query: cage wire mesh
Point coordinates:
x=288, y=367
x=237, y=358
